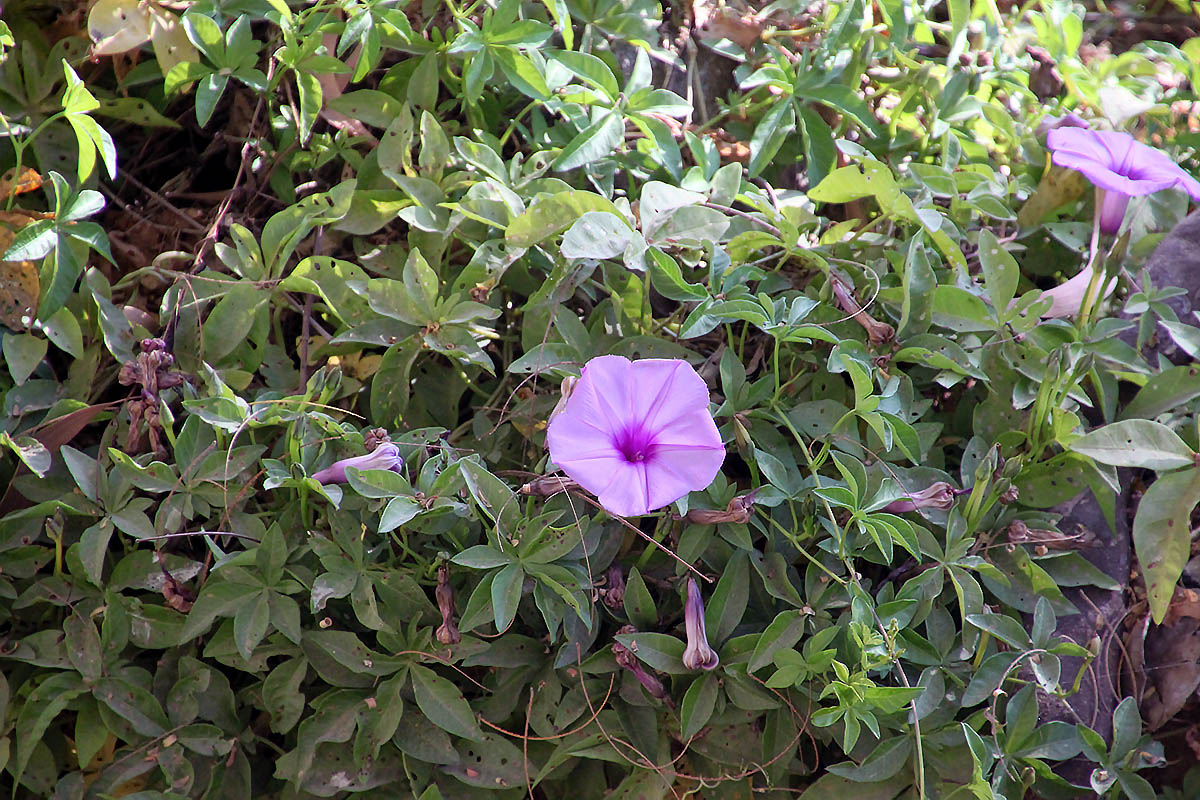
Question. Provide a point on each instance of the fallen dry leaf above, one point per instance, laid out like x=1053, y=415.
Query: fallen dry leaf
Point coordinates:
x=29, y=180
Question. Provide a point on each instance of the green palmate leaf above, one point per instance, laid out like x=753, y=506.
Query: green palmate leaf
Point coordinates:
x=884, y=762
x=507, y=588
x=1170, y=388
x=820, y=153
x=1162, y=534
x=1000, y=271
x=769, y=135
x=231, y=320
x=1136, y=443
x=729, y=600
x=22, y=353
x=698, y=703
x=590, y=69
x=44, y=703
x=133, y=704
x=598, y=235
x=33, y=454
x=873, y=179
x=443, y=704
x=639, y=604
x=848, y=102
x=282, y=696
x=663, y=652
x=593, y=143
x=552, y=214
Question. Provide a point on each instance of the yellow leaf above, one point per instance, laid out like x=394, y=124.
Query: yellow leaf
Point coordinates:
x=19, y=283
x=1058, y=187
x=118, y=25
x=11, y=184
x=171, y=45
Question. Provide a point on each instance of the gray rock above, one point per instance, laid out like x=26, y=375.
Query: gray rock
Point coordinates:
x=1175, y=262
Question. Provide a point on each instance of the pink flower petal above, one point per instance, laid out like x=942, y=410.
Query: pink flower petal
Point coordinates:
x=666, y=389
x=1117, y=162
x=695, y=429
x=604, y=393
x=626, y=492
x=1081, y=142
x=676, y=470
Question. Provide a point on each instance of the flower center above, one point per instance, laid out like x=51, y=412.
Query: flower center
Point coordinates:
x=635, y=444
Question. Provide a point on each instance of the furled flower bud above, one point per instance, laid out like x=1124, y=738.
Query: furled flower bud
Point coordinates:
x=385, y=456
x=697, y=654
x=1068, y=121
x=568, y=386
x=630, y=662
x=447, y=633
x=937, y=495
x=548, y=485
x=614, y=594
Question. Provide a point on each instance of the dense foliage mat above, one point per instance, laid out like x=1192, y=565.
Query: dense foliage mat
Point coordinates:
x=587, y=398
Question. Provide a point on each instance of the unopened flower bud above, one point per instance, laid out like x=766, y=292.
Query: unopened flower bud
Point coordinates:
x=548, y=485
x=697, y=654
x=385, y=456
x=447, y=633
x=741, y=436
x=937, y=495
x=568, y=386
x=1068, y=121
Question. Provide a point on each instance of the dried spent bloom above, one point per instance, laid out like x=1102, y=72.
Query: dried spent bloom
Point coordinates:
x=878, y=333
x=614, y=592
x=385, y=456
x=375, y=437
x=697, y=654
x=738, y=510
x=1020, y=533
x=937, y=495
x=153, y=371
x=638, y=434
x=447, y=633
x=630, y=662
x=1120, y=165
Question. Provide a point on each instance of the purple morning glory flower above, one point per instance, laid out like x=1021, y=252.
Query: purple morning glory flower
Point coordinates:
x=385, y=456
x=638, y=434
x=1119, y=165
x=697, y=654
